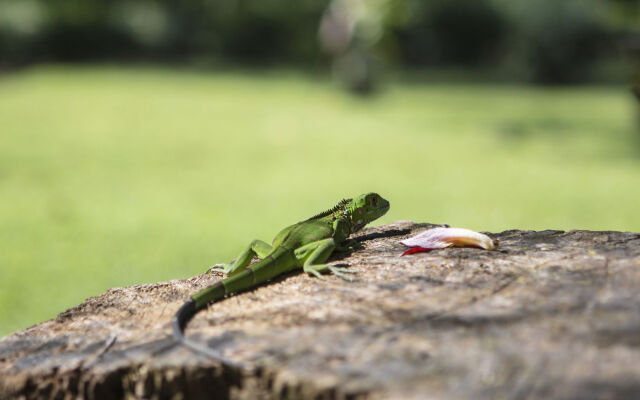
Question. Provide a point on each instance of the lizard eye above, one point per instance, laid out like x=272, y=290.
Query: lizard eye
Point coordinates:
x=374, y=201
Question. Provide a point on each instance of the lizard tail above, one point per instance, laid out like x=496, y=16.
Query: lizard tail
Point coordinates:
x=181, y=318
x=179, y=322
x=216, y=292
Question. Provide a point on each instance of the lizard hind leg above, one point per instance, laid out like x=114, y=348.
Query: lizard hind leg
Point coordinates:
x=261, y=249
x=256, y=248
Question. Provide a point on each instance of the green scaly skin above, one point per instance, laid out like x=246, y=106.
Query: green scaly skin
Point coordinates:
x=306, y=245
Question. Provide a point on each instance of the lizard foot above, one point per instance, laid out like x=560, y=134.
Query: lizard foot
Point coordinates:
x=341, y=272
x=349, y=245
x=338, y=271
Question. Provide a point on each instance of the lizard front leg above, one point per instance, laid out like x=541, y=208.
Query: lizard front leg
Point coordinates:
x=341, y=234
x=312, y=256
x=256, y=248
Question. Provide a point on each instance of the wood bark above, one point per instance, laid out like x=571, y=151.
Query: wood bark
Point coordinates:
x=551, y=314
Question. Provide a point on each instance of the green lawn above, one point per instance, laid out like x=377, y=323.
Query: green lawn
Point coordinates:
x=113, y=176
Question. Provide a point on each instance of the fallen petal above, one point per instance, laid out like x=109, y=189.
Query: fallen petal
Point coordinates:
x=440, y=238
x=415, y=250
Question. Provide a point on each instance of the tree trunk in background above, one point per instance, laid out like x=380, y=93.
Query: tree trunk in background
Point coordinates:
x=636, y=92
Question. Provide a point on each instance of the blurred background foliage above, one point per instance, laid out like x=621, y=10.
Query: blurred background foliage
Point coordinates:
x=144, y=141
x=545, y=41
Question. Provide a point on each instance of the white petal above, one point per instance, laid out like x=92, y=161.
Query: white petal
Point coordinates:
x=438, y=238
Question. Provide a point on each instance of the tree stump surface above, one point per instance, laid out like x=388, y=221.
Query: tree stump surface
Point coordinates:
x=550, y=314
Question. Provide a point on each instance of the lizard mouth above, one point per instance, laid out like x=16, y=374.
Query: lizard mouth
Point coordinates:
x=382, y=208
x=376, y=213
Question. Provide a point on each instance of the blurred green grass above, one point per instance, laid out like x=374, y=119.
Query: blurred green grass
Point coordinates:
x=117, y=176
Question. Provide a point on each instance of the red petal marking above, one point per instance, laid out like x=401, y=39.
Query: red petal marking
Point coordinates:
x=416, y=249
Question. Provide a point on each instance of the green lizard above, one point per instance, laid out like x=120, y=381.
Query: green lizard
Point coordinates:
x=306, y=245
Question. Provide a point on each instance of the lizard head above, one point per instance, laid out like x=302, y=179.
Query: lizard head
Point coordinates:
x=366, y=208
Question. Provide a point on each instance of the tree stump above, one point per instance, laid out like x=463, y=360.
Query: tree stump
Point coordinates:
x=551, y=314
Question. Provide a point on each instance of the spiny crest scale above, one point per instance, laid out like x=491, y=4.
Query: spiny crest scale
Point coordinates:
x=337, y=207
